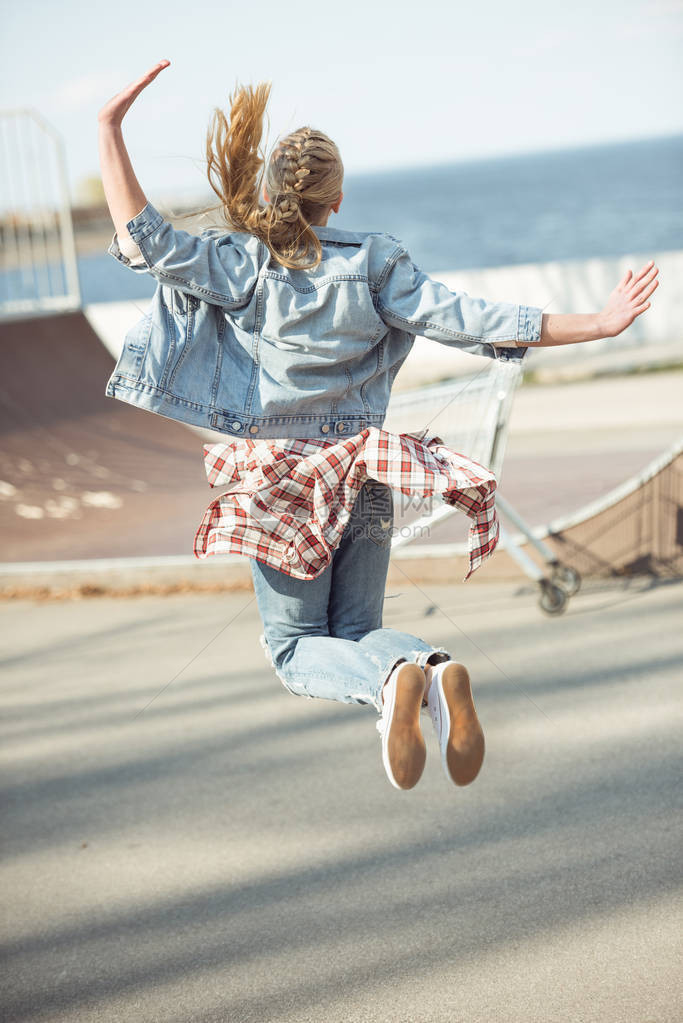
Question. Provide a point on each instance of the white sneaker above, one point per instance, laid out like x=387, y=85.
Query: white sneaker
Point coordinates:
x=451, y=708
x=403, y=747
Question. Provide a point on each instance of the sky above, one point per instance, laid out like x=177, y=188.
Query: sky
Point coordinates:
x=395, y=84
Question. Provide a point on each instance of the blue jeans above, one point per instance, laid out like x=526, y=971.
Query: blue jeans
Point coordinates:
x=324, y=636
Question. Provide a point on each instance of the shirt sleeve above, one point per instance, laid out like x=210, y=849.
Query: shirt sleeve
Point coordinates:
x=412, y=301
x=213, y=267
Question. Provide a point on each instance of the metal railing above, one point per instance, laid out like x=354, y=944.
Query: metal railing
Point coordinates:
x=38, y=266
x=471, y=416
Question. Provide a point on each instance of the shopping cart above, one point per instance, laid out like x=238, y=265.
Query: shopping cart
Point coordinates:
x=471, y=415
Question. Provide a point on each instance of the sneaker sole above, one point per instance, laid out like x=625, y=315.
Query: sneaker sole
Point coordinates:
x=405, y=752
x=463, y=754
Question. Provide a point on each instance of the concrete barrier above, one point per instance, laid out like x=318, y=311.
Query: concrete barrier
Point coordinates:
x=568, y=286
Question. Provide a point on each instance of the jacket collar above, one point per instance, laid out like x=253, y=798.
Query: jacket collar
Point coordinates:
x=336, y=234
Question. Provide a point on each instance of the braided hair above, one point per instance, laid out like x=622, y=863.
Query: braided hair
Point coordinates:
x=303, y=179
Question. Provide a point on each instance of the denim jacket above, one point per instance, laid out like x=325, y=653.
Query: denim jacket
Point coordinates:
x=238, y=343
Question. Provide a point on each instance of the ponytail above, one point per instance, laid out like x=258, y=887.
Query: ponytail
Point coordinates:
x=303, y=179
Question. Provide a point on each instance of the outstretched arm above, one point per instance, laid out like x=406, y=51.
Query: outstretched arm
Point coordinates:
x=627, y=301
x=411, y=300
x=121, y=188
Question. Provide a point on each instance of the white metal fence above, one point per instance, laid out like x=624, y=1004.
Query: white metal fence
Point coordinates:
x=38, y=268
x=471, y=416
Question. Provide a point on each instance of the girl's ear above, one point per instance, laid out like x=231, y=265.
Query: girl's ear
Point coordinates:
x=337, y=204
x=265, y=194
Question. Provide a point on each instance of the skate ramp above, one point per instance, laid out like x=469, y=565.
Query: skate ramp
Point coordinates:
x=83, y=475
x=634, y=529
x=637, y=529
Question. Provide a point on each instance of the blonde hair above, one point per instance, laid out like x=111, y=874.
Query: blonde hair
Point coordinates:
x=303, y=178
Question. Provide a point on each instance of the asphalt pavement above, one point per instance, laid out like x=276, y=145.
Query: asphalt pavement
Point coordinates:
x=185, y=841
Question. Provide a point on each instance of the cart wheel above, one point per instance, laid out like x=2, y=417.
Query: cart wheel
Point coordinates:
x=567, y=578
x=553, y=599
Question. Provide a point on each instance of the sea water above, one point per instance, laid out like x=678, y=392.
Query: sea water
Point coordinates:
x=593, y=201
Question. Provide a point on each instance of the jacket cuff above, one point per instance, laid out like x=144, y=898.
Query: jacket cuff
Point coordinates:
x=529, y=323
x=137, y=264
x=140, y=227
x=144, y=223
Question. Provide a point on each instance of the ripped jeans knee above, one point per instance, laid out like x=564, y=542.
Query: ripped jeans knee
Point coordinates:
x=349, y=671
x=291, y=686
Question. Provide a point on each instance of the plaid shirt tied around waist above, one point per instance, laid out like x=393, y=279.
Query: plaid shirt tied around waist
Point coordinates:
x=289, y=501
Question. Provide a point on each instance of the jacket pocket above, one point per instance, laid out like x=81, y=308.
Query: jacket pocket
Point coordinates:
x=194, y=349
x=159, y=342
x=134, y=350
x=184, y=311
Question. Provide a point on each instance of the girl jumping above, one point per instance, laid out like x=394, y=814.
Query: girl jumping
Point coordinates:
x=286, y=334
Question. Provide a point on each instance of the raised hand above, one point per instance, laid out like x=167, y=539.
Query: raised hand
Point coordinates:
x=113, y=112
x=628, y=300
x=125, y=197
